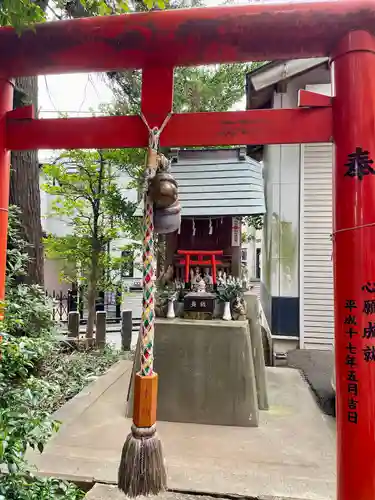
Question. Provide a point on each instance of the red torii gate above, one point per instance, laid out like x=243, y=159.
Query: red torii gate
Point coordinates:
x=157, y=42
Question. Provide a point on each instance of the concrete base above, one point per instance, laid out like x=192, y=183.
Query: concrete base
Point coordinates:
x=206, y=373
x=258, y=349
x=317, y=368
x=107, y=492
x=290, y=455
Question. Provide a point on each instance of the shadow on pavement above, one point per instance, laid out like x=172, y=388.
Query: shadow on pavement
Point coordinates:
x=317, y=368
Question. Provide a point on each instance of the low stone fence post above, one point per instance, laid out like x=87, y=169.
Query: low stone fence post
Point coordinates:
x=73, y=324
x=101, y=317
x=126, y=329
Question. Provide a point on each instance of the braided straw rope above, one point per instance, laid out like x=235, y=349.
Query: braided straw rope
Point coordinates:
x=148, y=306
x=149, y=264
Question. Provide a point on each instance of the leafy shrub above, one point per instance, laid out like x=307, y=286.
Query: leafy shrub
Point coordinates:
x=28, y=311
x=27, y=340
x=32, y=488
x=69, y=373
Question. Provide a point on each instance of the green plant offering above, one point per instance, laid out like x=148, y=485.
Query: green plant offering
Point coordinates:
x=229, y=291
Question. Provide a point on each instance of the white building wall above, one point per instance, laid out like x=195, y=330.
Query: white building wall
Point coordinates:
x=249, y=256
x=281, y=237
x=316, y=273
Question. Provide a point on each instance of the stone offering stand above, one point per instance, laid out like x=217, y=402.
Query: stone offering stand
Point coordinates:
x=210, y=372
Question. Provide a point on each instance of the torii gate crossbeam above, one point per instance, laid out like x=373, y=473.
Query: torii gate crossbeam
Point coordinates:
x=284, y=126
x=158, y=41
x=185, y=37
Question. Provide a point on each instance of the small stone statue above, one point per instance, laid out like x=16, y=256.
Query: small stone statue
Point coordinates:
x=159, y=307
x=207, y=277
x=239, y=309
x=244, y=278
x=195, y=277
x=166, y=276
x=220, y=278
x=201, y=286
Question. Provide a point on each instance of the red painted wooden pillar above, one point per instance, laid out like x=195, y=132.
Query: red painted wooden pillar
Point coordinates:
x=157, y=94
x=213, y=263
x=6, y=104
x=354, y=263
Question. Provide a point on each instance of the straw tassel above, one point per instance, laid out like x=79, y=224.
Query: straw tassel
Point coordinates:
x=142, y=468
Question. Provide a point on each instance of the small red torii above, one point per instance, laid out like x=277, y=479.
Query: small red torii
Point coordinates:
x=211, y=261
x=157, y=42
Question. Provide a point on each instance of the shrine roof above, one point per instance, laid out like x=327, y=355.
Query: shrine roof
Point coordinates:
x=217, y=182
x=261, y=81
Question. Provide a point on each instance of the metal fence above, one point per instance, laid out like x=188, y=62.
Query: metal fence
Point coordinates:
x=75, y=300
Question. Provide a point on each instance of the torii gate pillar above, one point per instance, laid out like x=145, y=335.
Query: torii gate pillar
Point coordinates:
x=354, y=263
x=156, y=42
x=6, y=104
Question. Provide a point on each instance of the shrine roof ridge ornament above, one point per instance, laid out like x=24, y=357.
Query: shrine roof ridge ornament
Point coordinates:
x=193, y=36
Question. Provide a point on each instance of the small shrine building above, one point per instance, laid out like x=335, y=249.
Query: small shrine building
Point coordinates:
x=217, y=187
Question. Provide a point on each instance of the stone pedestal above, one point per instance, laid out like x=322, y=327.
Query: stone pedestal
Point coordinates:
x=258, y=351
x=206, y=372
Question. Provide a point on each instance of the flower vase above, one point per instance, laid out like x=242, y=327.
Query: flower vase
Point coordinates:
x=170, y=312
x=227, y=316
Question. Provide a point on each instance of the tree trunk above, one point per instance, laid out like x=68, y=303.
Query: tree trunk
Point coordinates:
x=96, y=249
x=25, y=191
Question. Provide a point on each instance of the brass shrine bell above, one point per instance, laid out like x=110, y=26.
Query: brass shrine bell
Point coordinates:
x=167, y=220
x=163, y=190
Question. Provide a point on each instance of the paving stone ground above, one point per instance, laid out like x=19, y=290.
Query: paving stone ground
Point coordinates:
x=317, y=368
x=107, y=492
x=290, y=455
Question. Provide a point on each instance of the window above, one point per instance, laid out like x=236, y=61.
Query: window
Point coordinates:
x=244, y=255
x=257, y=264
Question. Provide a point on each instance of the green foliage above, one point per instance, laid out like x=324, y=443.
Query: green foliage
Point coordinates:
x=27, y=309
x=27, y=339
x=87, y=191
x=20, y=13
x=25, y=13
x=230, y=290
x=196, y=89
x=209, y=88
x=31, y=302
x=70, y=372
x=255, y=221
x=36, y=378
x=32, y=488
